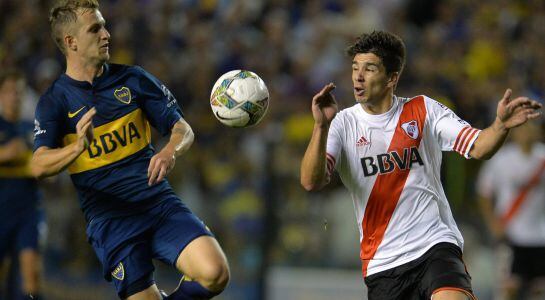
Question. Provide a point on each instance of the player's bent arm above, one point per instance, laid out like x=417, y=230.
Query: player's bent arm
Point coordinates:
x=181, y=138
x=313, y=166
x=489, y=141
x=48, y=162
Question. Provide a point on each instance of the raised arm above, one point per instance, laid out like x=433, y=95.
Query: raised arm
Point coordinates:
x=313, y=165
x=48, y=162
x=510, y=114
x=181, y=138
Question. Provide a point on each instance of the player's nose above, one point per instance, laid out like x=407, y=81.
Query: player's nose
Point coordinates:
x=105, y=34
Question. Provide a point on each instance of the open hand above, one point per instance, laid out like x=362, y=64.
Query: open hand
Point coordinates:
x=324, y=106
x=513, y=113
x=84, y=129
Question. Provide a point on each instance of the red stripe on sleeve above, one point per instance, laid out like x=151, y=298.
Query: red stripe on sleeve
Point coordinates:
x=467, y=140
x=460, y=137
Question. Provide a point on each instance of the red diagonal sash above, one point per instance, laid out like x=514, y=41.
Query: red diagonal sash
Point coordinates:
x=388, y=187
x=523, y=195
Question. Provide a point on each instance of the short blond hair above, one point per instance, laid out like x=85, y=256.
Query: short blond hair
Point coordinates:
x=64, y=12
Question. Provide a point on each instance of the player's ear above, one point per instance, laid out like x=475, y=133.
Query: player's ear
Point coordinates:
x=70, y=43
x=392, y=79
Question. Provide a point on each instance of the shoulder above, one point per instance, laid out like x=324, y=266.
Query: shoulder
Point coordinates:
x=131, y=69
x=53, y=99
x=54, y=93
x=430, y=103
x=349, y=112
x=345, y=115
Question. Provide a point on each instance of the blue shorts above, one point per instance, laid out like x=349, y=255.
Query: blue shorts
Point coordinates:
x=23, y=231
x=126, y=245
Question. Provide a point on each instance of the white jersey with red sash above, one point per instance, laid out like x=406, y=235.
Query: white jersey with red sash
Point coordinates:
x=517, y=182
x=391, y=164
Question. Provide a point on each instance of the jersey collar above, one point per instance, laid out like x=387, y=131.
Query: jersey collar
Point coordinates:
x=85, y=84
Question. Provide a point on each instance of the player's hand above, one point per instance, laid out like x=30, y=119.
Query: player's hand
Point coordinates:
x=515, y=112
x=324, y=106
x=160, y=165
x=84, y=129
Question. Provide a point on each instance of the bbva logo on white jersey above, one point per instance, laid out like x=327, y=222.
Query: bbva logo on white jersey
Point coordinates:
x=411, y=129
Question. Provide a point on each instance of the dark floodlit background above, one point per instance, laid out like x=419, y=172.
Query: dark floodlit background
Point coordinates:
x=282, y=242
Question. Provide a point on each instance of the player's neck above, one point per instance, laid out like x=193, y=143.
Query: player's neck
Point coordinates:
x=379, y=107
x=83, y=71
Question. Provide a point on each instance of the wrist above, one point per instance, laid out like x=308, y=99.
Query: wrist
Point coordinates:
x=170, y=151
x=499, y=126
x=78, y=148
x=321, y=126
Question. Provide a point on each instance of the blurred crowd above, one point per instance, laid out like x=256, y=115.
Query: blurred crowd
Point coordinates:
x=244, y=183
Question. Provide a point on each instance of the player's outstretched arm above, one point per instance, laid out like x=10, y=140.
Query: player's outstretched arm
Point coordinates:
x=48, y=162
x=313, y=165
x=510, y=114
x=181, y=138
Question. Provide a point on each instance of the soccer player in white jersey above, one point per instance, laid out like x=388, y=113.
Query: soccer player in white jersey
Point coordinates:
x=511, y=189
x=387, y=151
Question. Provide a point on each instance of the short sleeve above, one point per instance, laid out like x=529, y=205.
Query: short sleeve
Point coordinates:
x=334, y=144
x=453, y=133
x=47, y=124
x=158, y=103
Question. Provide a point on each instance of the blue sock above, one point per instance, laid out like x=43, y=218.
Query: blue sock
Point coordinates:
x=191, y=290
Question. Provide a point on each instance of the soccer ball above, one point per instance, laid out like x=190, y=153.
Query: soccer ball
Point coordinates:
x=239, y=98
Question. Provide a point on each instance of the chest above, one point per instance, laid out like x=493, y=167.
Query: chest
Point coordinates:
x=111, y=103
x=384, y=148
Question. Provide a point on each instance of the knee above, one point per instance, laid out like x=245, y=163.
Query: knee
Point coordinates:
x=215, y=277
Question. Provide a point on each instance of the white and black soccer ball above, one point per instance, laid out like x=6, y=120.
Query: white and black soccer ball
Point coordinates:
x=239, y=98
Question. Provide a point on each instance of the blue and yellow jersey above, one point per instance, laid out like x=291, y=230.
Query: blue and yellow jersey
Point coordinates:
x=111, y=175
x=18, y=189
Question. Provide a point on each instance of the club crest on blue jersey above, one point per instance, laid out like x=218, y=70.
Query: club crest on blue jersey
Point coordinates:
x=411, y=129
x=123, y=94
x=119, y=272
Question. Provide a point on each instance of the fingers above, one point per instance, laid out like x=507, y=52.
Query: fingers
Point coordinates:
x=325, y=90
x=88, y=115
x=157, y=170
x=162, y=173
x=507, y=95
x=151, y=166
x=524, y=102
x=87, y=118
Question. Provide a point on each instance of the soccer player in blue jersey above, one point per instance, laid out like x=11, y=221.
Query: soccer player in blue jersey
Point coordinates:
x=21, y=216
x=94, y=121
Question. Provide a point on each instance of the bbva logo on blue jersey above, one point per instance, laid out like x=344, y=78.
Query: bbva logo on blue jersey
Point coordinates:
x=387, y=162
x=109, y=141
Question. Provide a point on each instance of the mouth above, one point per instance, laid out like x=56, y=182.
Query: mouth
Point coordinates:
x=359, y=91
x=105, y=46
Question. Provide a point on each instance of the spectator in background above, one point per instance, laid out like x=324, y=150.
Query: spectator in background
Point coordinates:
x=21, y=216
x=511, y=190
